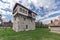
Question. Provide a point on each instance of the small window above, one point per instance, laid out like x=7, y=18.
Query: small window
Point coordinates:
x=26, y=26
x=24, y=18
x=20, y=9
x=23, y=11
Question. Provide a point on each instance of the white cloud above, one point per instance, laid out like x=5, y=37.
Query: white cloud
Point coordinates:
x=26, y=3
x=3, y=17
x=51, y=13
x=8, y=13
x=5, y=13
x=48, y=14
x=48, y=20
x=34, y=1
x=44, y=3
x=4, y=0
x=1, y=5
x=2, y=12
x=38, y=18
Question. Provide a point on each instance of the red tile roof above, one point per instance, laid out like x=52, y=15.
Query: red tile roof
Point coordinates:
x=56, y=22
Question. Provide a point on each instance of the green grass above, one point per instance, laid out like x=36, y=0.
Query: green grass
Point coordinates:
x=38, y=34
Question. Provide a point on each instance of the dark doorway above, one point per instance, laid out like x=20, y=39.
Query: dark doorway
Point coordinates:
x=26, y=26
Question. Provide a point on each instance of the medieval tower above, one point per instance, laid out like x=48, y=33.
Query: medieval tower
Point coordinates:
x=24, y=19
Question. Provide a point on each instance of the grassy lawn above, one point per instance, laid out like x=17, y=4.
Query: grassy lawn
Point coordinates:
x=38, y=34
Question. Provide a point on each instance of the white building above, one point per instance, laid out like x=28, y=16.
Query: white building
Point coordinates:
x=24, y=19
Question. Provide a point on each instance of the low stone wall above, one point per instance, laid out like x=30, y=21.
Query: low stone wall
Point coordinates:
x=55, y=29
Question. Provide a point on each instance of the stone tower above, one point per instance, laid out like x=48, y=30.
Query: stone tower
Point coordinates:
x=24, y=19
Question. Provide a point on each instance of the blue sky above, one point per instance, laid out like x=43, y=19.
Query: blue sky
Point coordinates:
x=47, y=10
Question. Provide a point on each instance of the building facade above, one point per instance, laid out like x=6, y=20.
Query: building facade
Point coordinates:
x=24, y=19
x=56, y=23
x=54, y=26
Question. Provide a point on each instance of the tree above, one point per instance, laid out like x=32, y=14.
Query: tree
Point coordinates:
x=40, y=25
x=10, y=23
x=0, y=20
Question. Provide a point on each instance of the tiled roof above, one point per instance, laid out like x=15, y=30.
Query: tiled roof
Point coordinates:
x=54, y=23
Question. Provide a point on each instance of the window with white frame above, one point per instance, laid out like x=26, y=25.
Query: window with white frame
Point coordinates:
x=23, y=11
x=20, y=9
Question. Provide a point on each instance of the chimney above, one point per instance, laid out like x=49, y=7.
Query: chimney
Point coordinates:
x=51, y=21
x=59, y=17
